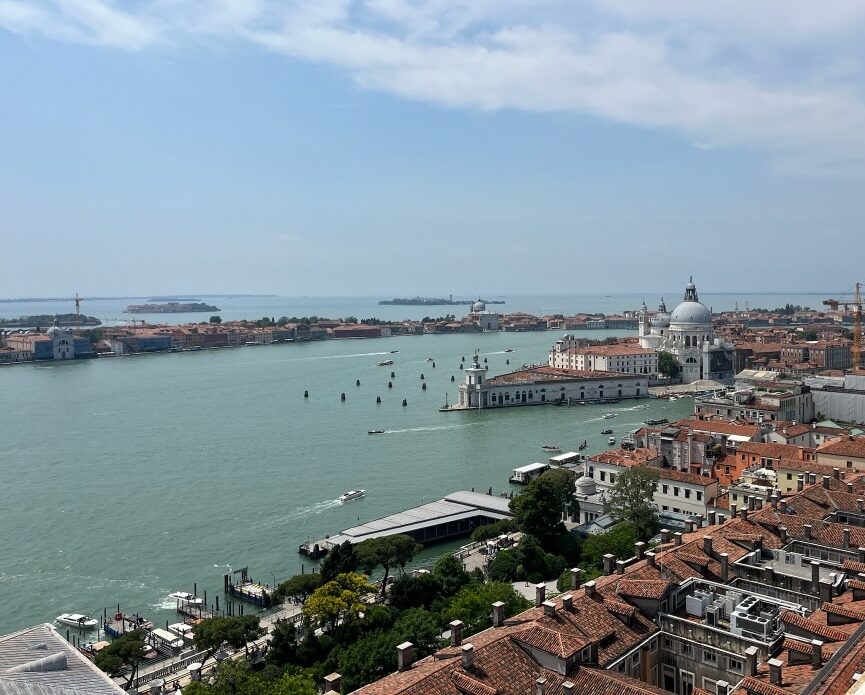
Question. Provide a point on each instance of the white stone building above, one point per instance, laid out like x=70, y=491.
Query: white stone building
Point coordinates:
x=487, y=320
x=626, y=358
x=688, y=334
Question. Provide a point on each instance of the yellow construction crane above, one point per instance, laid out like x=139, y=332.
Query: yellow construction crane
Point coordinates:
x=856, y=306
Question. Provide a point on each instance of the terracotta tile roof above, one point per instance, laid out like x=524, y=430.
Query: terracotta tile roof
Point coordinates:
x=718, y=427
x=642, y=588
x=853, y=566
x=468, y=685
x=685, y=477
x=624, y=457
x=561, y=644
x=772, y=450
x=786, y=464
x=594, y=682
x=795, y=645
x=854, y=447
x=827, y=633
x=752, y=685
x=541, y=375
x=856, y=584
x=843, y=612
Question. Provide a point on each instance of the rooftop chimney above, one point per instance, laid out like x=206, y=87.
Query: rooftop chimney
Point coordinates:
x=860, y=504
x=540, y=594
x=568, y=688
x=807, y=529
x=549, y=608
x=743, y=514
x=725, y=567
x=677, y=538
x=775, y=666
x=665, y=535
x=826, y=592
x=816, y=653
x=609, y=563
x=751, y=661
x=639, y=549
x=722, y=687
x=845, y=534
x=815, y=575
x=782, y=530
x=332, y=683
x=576, y=577
x=800, y=482
x=712, y=517
x=456, y=632
x=836, y=473
x=650, y=559
x=568, y=603
x=861, y=554
x=707, y=545
x=850, y=488
x=498, y=613
x=404, y=656
x=468, y=655
x=540, y=686
x=620, y=566
x=826, y=480
x=733, y=510
x=590, y=588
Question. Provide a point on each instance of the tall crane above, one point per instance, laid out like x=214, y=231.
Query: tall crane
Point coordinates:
x=78, y=301
x=856, y=306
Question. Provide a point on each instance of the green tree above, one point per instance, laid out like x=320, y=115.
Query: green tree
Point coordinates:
x=505, y=566
x=238, y=678
x=340, y=560
x=386, y=552
x=619, y=541
x=420, y=627
x=809, y=335
x=450, y=574
x=236, y=631
x=668, y=365
x=539, y=508
x=493, y=530
x=472, y=605
x=337, y=601
x=368, y=659
x=215, y=319
x=632, y=499
x=298, y=587
x=123, y=653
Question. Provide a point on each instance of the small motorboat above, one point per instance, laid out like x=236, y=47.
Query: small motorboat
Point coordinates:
x=78, y=620
x=429, y=359
x=509, y=350
x=551, y=447
x=611, y=441
x=583, y=445
x=375, y=431
x=351, y=495
x=393, y=352
x=186, y=598
x=385, y=363
x=606, y=431
x=656, y=421
x=609, y=416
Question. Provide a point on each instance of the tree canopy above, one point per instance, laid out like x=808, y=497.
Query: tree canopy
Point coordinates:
x=668, y=365
x=632, y=499
x=619, y=541
x=472, y=605
x=298, y=587
x=387, y=552
x=340, y=560
x=337, y=601
x=123, y=653
x=237, y=678
x=539, y=508
x=235, y=631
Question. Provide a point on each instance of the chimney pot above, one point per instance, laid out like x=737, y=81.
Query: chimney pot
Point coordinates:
x=751, y=661
x=860, y=503
x=712, y=517
x=639, y=549
x=498, y=614
x=861, y=554
x=826, y=480
x=826, y=592
x=783, y=531
x=540, y=686
x=850, y=488
x=722, y=687
x=650, y=559
x=815, y=575
x=807, y=529
x=665, y=535
x=456, y=632
x=568, y=688
x=734, y=509
x=332, y=683
x=568, y=603
x=620, y=566
x=609, y=563
x=775, y=666
x=549, y=608
x=836, y=473
x=468, y=655
x=576, y=577
x=845, y=533
x=707, y=545
x=725, y=567
x=404, y=656
x=677, y=538
x=590, y=588
x=816, y=653
x=540, y=594
x=743, y=514
x=800, y=482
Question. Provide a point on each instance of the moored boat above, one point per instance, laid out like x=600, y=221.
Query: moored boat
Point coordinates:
x=606, y=431
x=551, y=447
x=78, y=620
x=611, y=441
x=186, y=598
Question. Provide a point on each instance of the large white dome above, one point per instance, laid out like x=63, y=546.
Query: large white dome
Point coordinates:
x=691, y=313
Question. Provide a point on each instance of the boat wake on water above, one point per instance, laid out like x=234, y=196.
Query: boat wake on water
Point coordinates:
x=437, y=428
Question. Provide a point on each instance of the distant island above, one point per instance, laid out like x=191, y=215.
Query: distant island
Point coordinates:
x=433, y=301
x=44, y=320
x=170, y=308
x=173, y=299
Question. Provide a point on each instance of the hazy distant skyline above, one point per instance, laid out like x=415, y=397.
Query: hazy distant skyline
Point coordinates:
x=400, y=147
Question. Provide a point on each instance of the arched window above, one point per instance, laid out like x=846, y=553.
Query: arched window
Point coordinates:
x=687, y=341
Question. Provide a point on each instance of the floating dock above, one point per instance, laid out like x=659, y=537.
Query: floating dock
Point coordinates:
x=458, y=514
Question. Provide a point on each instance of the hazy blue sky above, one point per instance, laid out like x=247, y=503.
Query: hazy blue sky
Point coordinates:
x=430, y=146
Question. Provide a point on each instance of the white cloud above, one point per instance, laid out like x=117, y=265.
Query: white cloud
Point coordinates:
x=777, y=76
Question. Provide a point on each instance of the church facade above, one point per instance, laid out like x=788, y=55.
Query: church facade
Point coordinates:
x=687, y=334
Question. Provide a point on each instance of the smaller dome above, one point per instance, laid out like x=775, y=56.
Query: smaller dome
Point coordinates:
x=54, y=330
x=586, y=486
x=479, y=306
x=661, y=320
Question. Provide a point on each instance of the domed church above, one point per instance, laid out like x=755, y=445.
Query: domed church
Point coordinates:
x=687, y=333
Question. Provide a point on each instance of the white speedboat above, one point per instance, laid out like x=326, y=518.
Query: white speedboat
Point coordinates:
x=611, y=441
x=609, y=416
x=187, y=598
x=385, y=363
x=77, y=620
x=351, y=495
